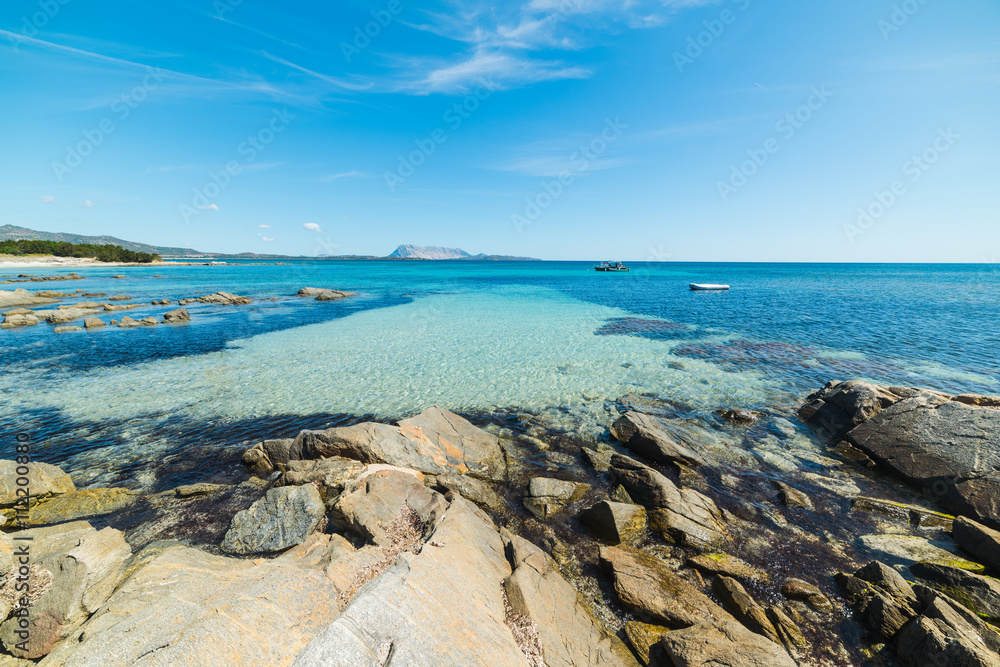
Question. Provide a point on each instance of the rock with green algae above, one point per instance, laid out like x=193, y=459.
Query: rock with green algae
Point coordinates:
x=80, y=504
x=724, y=564
x=647, y=585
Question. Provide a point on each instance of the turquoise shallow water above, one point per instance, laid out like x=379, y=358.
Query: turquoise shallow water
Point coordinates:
x=556, y=339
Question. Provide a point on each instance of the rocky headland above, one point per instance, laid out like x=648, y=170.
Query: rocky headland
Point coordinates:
x=725, y=541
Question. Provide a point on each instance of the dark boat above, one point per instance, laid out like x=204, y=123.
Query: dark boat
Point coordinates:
x=611, y=266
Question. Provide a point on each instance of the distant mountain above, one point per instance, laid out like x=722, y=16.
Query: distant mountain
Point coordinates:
x=12, y=233
x=427, y=252
x=436, y=252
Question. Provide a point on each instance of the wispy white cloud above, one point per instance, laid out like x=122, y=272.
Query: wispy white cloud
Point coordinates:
x=265, y=238
x=86, y=203
x=496, y=69
x=333, y=81
x=312, y=226
x=209, y=207
x=346, y=174
x=49, y=199
x=506, y=41
x=263, y=226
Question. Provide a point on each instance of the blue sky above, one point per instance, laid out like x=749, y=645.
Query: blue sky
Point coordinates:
x=737, y=130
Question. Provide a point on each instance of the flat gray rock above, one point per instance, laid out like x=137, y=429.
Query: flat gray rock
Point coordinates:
x=283, y=518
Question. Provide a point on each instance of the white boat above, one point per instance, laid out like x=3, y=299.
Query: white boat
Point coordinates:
x=704, y=287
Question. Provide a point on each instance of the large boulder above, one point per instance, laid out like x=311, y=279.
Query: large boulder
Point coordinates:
x=946, y=447
x=370, y=506
x=73, y=570
x=182, y=607
x=283, y=518
x=649, y=436
x=684, y=516
x=19, y=320
x=725, y=644
x=43, y=480
x=647, y=585
x=177, y=315
x=436, y=442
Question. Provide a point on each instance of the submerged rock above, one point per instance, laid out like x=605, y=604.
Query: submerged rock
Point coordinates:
x=283, y=518
x=80, y=504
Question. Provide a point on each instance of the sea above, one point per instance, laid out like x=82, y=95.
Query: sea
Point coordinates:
x=154, y=407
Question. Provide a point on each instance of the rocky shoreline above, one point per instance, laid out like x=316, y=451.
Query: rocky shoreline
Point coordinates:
x=434, y=541
x=16, y=315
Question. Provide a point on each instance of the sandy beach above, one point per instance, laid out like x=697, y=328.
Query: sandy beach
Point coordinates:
x=52, y=262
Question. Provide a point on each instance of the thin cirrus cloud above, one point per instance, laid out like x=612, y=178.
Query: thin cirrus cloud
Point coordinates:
x=501, y=43
x=86, y=203
x=312, y=226
x=346, y=174
x=209, y=207
x=263, y=226
x=49, y=199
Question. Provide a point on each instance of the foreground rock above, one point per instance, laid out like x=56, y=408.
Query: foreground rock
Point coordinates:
x=463, y=561
x=436, y=441
x=946, y=446
x=129, y=323
x=73, y=570
x=182, y=607
x=726, y=644
x=14, y=320
x=80, y=504
x=283, y=518
x=645, y=584
x=568, y=635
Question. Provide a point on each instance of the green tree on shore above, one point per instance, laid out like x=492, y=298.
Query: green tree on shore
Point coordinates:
x=103, y=253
